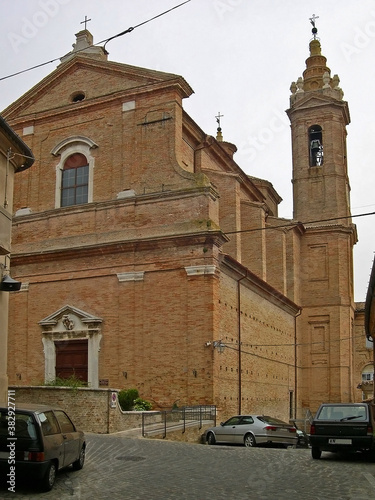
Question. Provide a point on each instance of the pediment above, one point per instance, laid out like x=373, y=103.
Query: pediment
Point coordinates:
x=95, y=80
x=69, y=318
x=315, y=100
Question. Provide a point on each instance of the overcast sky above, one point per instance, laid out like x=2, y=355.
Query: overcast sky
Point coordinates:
x=240, y=57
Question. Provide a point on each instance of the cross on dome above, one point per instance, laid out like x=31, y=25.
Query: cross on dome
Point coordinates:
x=85, y=22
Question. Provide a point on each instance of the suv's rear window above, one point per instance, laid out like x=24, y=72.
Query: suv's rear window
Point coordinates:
x=23, y=425
x=343, y=413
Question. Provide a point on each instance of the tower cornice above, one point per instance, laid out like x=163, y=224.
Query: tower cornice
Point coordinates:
x=318, y=101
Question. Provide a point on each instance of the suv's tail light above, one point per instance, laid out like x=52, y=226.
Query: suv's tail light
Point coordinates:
x=292, y=429
x=369, y=430
x=312, y=429
x=34, y=456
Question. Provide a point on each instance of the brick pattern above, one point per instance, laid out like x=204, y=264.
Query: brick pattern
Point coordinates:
x=89, y=409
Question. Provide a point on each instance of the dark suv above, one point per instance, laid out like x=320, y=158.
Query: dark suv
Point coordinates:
x=37, y=441
x=342, y=427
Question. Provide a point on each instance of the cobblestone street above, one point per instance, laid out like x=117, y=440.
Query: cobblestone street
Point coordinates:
x=119, y=467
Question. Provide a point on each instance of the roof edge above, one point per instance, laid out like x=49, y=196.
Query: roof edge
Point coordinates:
x=18, y=142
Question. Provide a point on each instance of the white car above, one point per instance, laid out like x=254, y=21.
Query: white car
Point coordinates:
x=251, y=430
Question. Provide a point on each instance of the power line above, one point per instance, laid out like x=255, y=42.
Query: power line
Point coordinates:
x=293, y=224
x=293, y=344
x=274, y=360
x=105, y=41
x=129, y=30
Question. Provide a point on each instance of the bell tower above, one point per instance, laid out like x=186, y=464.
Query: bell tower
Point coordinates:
x=319, y=116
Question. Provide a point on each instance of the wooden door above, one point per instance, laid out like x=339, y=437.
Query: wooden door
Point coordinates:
x=72, y=359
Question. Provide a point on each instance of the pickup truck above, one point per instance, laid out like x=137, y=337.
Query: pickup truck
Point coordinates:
x=342, y=427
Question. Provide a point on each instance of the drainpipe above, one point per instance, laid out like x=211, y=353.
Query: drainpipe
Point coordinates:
x=239, y=343
x=295, y=362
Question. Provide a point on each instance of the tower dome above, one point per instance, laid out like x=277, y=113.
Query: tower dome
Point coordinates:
x=315, y=68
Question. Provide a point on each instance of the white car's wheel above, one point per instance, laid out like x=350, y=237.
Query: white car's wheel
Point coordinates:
x=249, y=441
x=211, y=438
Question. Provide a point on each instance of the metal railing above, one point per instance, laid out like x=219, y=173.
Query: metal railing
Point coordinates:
x=303, y=423
x=163, y=421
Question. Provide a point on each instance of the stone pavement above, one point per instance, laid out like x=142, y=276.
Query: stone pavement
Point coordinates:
x=122, y=467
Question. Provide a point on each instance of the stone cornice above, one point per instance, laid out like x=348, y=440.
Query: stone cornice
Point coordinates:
x=315, y=102
x=131, y=276
x=201, y=270
x=216, y=238
x=117, y=203
x=350, y=229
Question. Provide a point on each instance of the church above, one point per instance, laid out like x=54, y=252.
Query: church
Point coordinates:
x=149, y=259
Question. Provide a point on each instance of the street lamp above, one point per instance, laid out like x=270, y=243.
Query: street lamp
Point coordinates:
x=219, y=345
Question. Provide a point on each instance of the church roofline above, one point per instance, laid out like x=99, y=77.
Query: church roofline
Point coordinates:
x=158, y=79
x=27, y=158
x=259, y=286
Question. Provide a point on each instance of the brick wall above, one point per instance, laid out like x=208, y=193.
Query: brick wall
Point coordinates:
x=90, y=409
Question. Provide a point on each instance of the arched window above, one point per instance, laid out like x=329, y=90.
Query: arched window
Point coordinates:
x=368, y=373
x=74, y=171
x=75, y=180
x=316, y=146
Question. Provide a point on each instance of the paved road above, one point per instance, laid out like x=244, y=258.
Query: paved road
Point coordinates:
x=119, y=467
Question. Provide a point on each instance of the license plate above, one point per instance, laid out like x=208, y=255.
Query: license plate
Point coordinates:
x=339, y=441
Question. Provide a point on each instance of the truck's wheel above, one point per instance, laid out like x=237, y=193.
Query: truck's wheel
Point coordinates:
x=316, y=452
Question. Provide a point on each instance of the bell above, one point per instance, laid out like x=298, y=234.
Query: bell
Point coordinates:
x=8, y=284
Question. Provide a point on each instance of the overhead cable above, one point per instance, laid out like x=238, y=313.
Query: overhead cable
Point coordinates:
x=105, y=41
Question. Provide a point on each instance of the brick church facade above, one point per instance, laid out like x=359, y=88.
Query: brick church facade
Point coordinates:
x=149, y=259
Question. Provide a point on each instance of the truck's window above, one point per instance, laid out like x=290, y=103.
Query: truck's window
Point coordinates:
x=343, y=413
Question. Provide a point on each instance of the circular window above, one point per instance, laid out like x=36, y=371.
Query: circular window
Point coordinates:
x=78, y=96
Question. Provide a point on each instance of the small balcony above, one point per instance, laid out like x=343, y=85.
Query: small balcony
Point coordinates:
x=367, y=388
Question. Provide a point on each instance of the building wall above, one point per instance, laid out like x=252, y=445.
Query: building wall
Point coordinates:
x=258, y=328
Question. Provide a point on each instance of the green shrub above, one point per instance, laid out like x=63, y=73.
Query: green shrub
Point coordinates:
x=71, y=381
x=142, y=405
x=126, y=398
